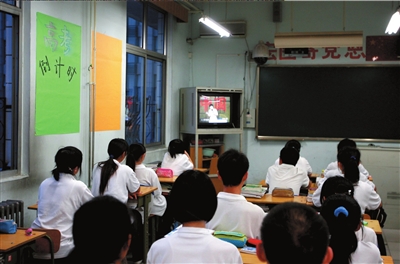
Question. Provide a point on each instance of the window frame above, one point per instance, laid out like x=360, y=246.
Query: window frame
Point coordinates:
x=149, y=54
x=17, y=153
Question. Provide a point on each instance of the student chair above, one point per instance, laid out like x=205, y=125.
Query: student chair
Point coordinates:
x=49, y=244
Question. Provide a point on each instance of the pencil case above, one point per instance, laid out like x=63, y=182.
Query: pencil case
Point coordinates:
x=235, y=238
x=8, y=226
x=161, y=172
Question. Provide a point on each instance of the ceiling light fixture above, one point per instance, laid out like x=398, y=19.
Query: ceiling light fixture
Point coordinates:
x=222, y=31
x=394, y=23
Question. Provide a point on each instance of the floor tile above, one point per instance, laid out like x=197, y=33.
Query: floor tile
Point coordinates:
x=391, y=235
x=394, y=250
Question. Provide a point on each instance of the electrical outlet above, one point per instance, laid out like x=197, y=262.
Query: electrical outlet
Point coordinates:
x=250, y=118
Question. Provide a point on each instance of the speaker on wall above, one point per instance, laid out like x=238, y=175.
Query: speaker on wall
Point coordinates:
x=277, y=12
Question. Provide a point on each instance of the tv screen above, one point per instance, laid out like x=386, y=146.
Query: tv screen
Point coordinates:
x=214, y=109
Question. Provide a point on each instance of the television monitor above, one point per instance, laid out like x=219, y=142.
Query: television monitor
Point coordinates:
x=218, y=110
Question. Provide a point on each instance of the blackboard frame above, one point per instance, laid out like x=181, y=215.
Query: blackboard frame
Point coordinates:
x=328, y=102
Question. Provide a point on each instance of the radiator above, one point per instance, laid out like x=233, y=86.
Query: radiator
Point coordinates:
x=13, y=209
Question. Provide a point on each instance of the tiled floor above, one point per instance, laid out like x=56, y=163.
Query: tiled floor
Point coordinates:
x=392, y=242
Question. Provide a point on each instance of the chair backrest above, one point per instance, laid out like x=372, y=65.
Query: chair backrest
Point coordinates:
x=282, y=192
x=213, y=165
x=42, y=245
x=366, y=216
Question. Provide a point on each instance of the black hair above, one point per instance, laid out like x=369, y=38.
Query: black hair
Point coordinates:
x=289, y=155
x=210, y=105
x=192, y=197
x=135, y=151
x=293, y=144
x=116, y=148
x=335, y=185
x=176, y=146
x=66, y=159
x=343, y=215
x=232, y=166
x=101, y=227
x=298, y=230
x=349, y=157
x=346, y=142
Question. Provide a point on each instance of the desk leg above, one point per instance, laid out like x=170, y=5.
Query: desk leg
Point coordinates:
x=146, y=201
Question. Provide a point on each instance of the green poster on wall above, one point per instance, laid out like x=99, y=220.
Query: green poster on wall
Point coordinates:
x=58, y=70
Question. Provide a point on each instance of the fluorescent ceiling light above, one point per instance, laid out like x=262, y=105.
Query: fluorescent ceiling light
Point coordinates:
x=394, y=23
x=319, y=39
x=223, y=32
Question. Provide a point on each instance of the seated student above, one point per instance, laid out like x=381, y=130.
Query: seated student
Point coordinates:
x=348, y=160
x=341, y=185
x=294, y=233
x=59, y=198
x=286, y=175
x=302, y=162
x=146, y=177
x=342, y=214
x=234, y=212
x=110, y=177
x=177, y=159
x=334, y=170
x=101, y=231
x=192, y=201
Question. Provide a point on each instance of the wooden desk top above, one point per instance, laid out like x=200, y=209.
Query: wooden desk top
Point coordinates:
x=11, y=241
x=387, y=259
x=374, y=224
x=145, y=190
x=269, y=199
x=167, y=180
x=250, y=258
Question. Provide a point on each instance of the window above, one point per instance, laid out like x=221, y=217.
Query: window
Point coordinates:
x=145, y=74
x=9, y=32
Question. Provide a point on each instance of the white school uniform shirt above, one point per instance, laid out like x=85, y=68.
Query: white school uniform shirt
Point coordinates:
x=334, y=166
x=364, y=194
x=57, y=203
x=120, y=184
x=337, y=172
x=178, y=164
x=147, y=177
x=192, y=245
x=366, y=252
x=286, y=176
x=302, y=163
x=235, y=213
x=367, y=234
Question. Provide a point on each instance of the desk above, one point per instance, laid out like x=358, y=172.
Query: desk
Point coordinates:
x=387, y=259
x=250, y=258
x=269, y=199
x=10, y=242
x=374, y=224
x=144, y=198
x=167, y=180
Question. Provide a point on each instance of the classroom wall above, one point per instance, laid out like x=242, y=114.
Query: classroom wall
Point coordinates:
x=222, y=62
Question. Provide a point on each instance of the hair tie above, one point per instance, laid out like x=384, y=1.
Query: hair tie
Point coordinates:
x=353, y=158
x=340, y=210
x=111, y=156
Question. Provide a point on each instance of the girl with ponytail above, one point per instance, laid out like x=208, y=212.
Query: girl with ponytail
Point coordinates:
x=146, y=177
x=348, y=161
x=59, y=198
x=110, y=177
x=343, y=216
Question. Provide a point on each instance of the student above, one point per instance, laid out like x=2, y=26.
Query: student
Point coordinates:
x=59, y=197
x=341, y=185
x=302, y=162
x=348, y=160
x=146, y=177
x=193, y=202
x=334, y=170
x=177, y=159
x=110, y=177
x=286, y=175
x=234, y=213
x=342, y=214
x=294, y=233
x=101, y=231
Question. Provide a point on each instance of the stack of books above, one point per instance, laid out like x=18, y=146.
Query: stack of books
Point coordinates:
x=253, y=190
